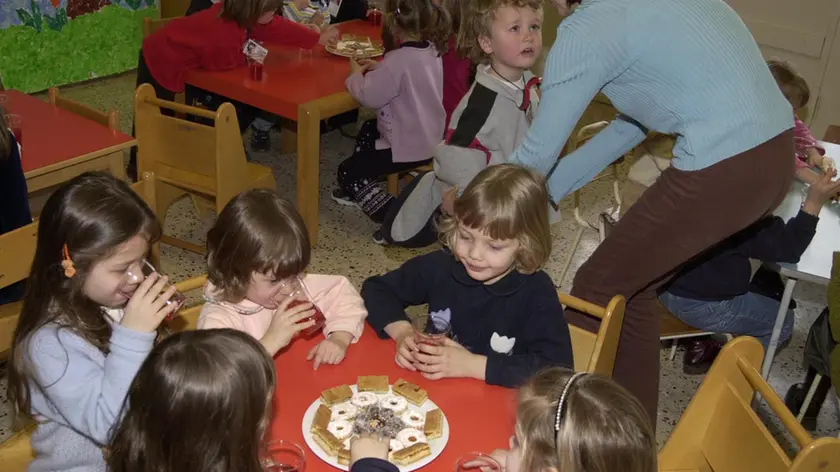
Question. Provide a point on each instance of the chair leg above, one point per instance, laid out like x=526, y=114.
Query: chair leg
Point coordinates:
x=393, y=184
x=808, y=397
x=673, y=350
x=572, y=251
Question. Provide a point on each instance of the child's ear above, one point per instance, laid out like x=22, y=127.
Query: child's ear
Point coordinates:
x=484, y=42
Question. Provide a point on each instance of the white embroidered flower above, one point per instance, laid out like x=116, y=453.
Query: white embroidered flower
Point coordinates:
x=502, y=344
x=445, y=314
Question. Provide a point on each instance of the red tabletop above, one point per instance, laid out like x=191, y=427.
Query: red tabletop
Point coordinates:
x=52, y=135
x=481, y=417
x=291, y=77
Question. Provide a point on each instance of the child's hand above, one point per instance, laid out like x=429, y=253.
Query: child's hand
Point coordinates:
x=406, y=349
x=147, y=307
x=449, y=361
x=367, y=446
x=827, y=164
x=820, y=192
x=318, y=18
x=329, y=36
x=285, y=324
x=331, y=350
x=360, y=66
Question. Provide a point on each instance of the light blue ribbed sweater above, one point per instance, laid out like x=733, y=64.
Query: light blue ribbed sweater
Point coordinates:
x=684, y=67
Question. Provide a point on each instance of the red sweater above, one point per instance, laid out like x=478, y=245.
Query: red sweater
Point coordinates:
x=204, y=40
x=456, y=79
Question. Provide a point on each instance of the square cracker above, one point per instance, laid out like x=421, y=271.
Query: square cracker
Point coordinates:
x=336, y=395
x=373, y=383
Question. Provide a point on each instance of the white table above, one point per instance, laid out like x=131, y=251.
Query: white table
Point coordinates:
x=815, y=265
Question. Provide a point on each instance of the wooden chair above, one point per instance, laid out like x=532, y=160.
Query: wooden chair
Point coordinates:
x=192, y=158
x=582, y=136
x=16, y=453
x=173, y=8
x=673, y=329
x=17, y=249
x=110, y=118
x=187, y=318
x=595, y=353
x=720, y=431
x=394, y=179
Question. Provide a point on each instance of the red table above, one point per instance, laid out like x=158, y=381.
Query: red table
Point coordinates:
x=481, y=417
x=302, y=87
x=59, y=145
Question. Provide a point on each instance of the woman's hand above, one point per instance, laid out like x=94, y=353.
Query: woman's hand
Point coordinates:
x=147, y=307
x=286, y=323
x=331, y=350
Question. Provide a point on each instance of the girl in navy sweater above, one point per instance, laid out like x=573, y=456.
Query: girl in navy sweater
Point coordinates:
x=507, y=322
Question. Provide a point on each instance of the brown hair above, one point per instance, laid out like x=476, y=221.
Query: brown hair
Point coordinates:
x=246, y=12
x=193, y=386
x=603, y=428
x=505, y=201
x=256, y=232
x=793, y=86
x=421, y=18
x=478, y=22
x=5, y=137
x=93, y=214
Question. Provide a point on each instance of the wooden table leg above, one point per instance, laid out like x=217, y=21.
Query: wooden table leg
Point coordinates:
x=116, y=165
x=308, y=163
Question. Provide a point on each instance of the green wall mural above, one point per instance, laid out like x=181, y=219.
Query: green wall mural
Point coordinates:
x=45, y=43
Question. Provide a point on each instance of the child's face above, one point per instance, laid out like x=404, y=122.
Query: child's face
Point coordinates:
x=515, y=39
x=104, y=284
x=264, y=289
x=486, y=259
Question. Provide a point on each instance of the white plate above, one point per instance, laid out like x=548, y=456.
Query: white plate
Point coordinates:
x=437, y=445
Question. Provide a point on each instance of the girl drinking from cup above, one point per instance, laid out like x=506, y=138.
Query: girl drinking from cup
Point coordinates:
x=166, y=426
x=256, y=255
x=84, y=331
x=485, y=292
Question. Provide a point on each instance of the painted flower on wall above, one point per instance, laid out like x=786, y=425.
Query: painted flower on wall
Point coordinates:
x=82, y=7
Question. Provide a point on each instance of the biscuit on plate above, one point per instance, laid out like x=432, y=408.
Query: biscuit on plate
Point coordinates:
x=322, y=418
x=411, y=392
x=411, y=454
x=328, y=442
x=336, y=395
x=434, y=424
x=373, y=383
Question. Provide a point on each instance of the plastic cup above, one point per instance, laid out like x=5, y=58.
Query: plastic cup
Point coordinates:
x=137, y=273
x=430, y=329
x=283, y=456
x=477, y=462
x=295, y=288
x=255, y=69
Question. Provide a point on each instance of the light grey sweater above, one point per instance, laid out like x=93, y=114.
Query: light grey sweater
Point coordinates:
x=78, y=393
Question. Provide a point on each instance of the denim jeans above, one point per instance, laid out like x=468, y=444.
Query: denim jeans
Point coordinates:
x=749, y=314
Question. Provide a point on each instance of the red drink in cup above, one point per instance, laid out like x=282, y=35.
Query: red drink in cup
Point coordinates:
x=256, y=68
x=375, y=16
x=431, y=330
x=295, y=288
x=137, y=273
x=477, y=462
x=283, y=456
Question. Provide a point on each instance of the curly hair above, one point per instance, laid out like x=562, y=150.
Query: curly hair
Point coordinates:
x=478, y=21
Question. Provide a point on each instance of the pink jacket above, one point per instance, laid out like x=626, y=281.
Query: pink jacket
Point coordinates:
x=803, y=140
x=337, y=298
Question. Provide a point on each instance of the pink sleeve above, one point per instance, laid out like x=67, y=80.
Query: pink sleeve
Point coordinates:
x=803, y=140
x=213, y=316
x=340, y=302
x=374, y=89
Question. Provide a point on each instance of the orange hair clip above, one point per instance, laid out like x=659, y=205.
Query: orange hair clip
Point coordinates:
x=67, y=263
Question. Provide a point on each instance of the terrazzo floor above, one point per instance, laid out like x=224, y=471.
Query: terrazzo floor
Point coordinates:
x=345, y=247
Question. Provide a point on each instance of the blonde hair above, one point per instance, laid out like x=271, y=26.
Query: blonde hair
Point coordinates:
x=603, y=428
x=505, y=201
x=246, y=12
x=793, y=86
x=478, y=22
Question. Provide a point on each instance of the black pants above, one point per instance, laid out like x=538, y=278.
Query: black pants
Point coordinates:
x=359, y=175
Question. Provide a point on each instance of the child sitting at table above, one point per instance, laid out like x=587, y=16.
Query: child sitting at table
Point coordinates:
x=565, y=421
x=489, y=122
x=311, y=13
x=809, y=154
x=406, y=89
x=212, y=39
x=14, y=195
x=200, y=402
x=712, y=293
x=506, y=319
x=256, y=253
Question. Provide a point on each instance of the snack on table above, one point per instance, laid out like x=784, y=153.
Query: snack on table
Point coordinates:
x=336, y=395
x=375, y=420
x=328, y=442
x=344, y=456
x=411, y=436
x=394, y=403
x=411, y=392
x=341, y=430
x=434, y=424
x=395, y=445
x=344, y=411
x=373, y=383
x=411, y=454
x=364, y=399
x=414, y=418
x=322, y=418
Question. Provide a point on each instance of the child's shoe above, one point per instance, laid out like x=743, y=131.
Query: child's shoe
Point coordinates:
x=342, y=198
x=378, y=238
x=260, y=140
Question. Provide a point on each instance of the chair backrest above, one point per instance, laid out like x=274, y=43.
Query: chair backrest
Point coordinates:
x=191, y=155
x=173, y=8
x=16, y=453
x=595, y=352
x=832, y=134
x=110, y=118
x=720, y=431
x=151, y=25
x=187, y=318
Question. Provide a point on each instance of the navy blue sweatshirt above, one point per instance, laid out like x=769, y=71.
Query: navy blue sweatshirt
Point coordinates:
x=723, y=272
x=14, y=210
x=373, y=465
x=522, y=308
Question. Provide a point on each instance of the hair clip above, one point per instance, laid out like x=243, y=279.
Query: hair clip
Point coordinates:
x=397, y=12
x=67, y=263
x=562, y=401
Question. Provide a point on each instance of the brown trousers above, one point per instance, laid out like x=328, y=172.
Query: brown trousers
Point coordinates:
x=677, y=218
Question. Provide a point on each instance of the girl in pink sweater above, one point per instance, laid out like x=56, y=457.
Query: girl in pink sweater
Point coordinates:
x=256, y=254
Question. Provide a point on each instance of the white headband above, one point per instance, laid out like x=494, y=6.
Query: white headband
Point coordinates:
x=562, y=400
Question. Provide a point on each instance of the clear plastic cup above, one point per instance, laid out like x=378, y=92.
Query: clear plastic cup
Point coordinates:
x=137, y=273
x=283, y=456
x=296, y=289
x=477, y=462
x=431, y=329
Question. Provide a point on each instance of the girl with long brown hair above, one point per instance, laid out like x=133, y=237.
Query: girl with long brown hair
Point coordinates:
x=85, y=327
